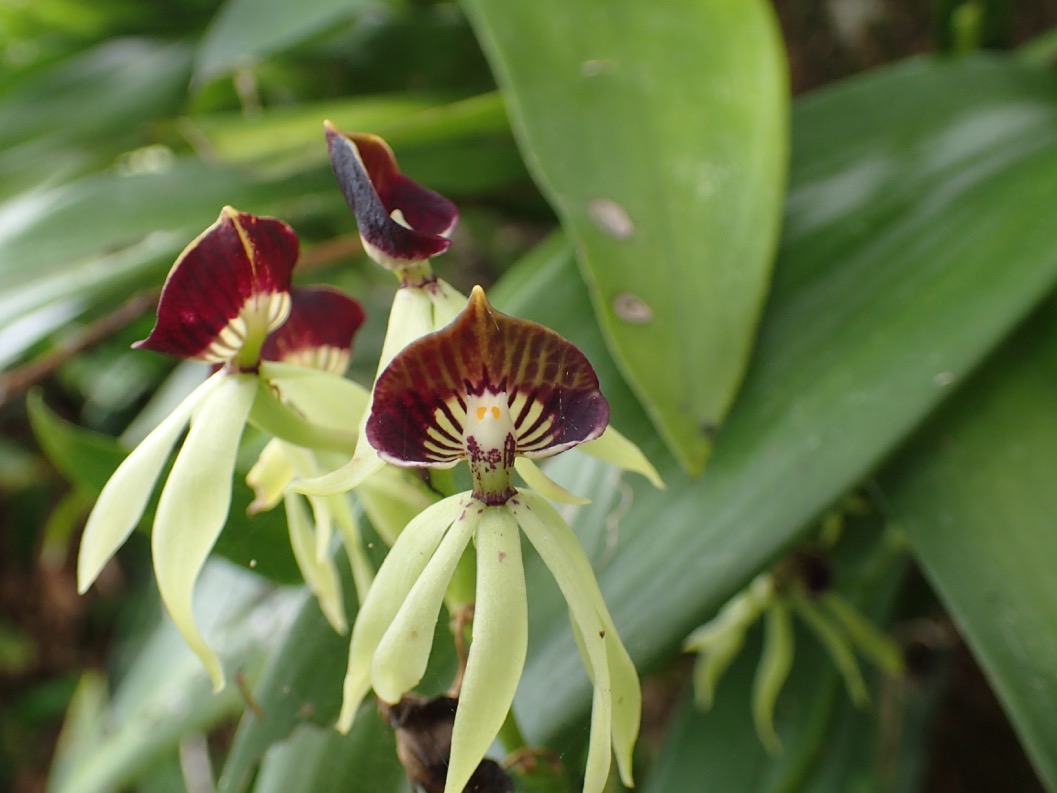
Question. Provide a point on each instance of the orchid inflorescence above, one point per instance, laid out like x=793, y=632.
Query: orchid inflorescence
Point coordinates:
x=457, y=380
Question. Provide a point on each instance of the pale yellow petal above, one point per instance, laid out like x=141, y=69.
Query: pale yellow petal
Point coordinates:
x=194, y=506
x=406, y=561
x=544, y=485
x=500, y=640
x=124, y=497
x=403, y=652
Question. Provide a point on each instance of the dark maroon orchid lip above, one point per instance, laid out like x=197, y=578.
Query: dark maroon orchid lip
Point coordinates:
x=319, y=331
x=377, y=192
x=442, y=395
x=227, y=290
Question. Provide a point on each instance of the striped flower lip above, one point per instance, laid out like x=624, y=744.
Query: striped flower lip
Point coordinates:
x=401, y=222
x=486, y=388
x=318, y=333
x=227, y=291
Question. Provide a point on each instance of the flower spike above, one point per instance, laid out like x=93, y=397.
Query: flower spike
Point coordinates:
x=227, y=290
x=401, y=222
x=485, y=388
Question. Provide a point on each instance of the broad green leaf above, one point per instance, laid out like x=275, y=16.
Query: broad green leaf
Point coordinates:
x=659, y=133
x=918, y=234
x=975, y=494
x=322, y=760
x=166, y=693
x=244, y=31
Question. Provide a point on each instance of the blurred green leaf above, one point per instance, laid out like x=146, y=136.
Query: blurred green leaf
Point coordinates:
x=166, y=694
x=321, y=760
x=975, y=495
x=244, y=31
x=659, y=133
x=286, y=139
x=918, y=234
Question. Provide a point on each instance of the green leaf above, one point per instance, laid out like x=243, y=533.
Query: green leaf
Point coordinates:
x=166, y=694
x=659, y=133
x=919, y=234
x=320, y=760
x=975, y=494
x=244, y=31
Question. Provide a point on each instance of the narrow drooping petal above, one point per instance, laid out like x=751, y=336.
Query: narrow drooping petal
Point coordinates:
x=320, y=575
x=563, y=555
x=124, y=497
x=228, y=290
x=613, y=448
x=500, y=640
x=194, y=506
x=544, y=485
x=402, y=567
x=486, y=388
x=318, y=333
x=401, y=222
x=401, y=657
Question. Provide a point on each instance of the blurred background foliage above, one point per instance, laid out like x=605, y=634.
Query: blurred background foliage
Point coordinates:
x=854, y=301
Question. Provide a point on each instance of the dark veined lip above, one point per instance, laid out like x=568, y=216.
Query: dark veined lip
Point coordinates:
x=551, y=393
x=401, y=222
x=228, y=289
x=319, y=331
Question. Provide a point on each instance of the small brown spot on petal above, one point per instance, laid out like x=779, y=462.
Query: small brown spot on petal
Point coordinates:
x=601, y=634
x=502, y=555
x=632, y=308
x=611, y=218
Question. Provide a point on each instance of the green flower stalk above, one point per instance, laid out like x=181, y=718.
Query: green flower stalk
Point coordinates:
x=228, y=301
x=488, y=389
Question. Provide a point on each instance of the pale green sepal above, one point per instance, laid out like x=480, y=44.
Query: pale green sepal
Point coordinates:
x=304, y=463
x=560, y=551
x=410, y=318
x=269, y=477
x=194, y=506
x=500, y=641
x=403, y=652
x=324, y=398
x=280, y=420
x=402, y=566
x=391, y=498
x=447, y=301
x=718, y=641
x=543, y=484
x=776, y=661
x=626, y=690
x=713, y=659
x=349, y=528
x=124, y=497
x=363, y=464
x=615, y=449
x=872, y=642
x=837, y=645
x=321, y=576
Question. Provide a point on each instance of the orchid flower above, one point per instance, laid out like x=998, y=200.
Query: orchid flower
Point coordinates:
x=225, y=302
x=488, y=389
x=402, y=224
